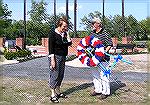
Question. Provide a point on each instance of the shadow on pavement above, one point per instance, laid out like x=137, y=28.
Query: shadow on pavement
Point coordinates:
x=77, y=88
x=113, y=85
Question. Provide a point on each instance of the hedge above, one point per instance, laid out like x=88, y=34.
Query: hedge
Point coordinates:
x=17, y=54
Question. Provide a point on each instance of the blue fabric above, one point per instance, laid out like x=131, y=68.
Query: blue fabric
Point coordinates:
x=116, y=59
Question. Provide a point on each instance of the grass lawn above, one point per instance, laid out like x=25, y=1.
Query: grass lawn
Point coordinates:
x=22, y=91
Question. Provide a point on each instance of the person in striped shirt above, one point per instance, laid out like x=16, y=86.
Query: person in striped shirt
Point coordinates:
x=101, y=81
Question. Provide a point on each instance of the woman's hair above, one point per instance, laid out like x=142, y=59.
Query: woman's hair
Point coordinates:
x=96, y=20
x=61, y=20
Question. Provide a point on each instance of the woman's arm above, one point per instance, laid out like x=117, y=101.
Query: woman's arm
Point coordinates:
x=51, y=51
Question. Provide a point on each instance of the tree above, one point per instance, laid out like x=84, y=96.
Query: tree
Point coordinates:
x=51, y=21
x=86, y=20
x=115, y=26
x=4, y=18
x=14, y=30
x=148, y=25
x=38, y=11
x=119, y=26
x=36, y=26
x=145, y=28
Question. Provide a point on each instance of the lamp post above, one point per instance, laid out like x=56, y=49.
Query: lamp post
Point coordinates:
x=54, y=11
x=75, y=17
x=103, y=12
x=123, y=19
x=67, y=9
x=24, y=46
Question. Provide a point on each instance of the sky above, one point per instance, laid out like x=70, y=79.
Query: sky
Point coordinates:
x=140, y=9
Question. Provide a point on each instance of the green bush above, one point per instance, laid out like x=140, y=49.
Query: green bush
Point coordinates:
x=10, y=55
x=32, y=41
x=148, y=43
x=70, y=57
x=19, y=54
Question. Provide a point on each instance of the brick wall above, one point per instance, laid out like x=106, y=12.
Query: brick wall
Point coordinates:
x=73, y=47
x=126, y=40
x=2, y=41
x=115, y=41
x=20, y=42
x=45, y=43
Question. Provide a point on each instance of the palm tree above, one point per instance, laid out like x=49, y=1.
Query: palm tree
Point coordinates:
x=123, y=19
x=75, y=17
x=55, y=10
x=67, y=9
x=103, y=12
x=24, y=46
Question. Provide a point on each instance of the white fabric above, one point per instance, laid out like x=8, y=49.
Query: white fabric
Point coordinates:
x=84, y=42
x=80, y=48
x=69, y=39
x=51, y=55
x=94, y=40
x=101, y=82
x=101, y=49
x=96, y=61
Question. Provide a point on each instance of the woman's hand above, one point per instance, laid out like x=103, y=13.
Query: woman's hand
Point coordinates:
x=52, y=67
x=68, y=38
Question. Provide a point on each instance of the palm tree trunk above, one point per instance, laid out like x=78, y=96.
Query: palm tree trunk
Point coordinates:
x=24, y=45
x=123, y=19
x=75, y=17
x=67, y=9
x=103, y=12
x=55, y=11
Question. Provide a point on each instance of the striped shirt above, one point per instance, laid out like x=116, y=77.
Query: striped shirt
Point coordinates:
x=106, y=41
x=104, y=37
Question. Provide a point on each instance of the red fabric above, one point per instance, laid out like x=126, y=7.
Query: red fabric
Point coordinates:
x=79, y=53
x=92, y=63
x=81, y=45
x=99, y=54
x=82, y=60
x=97, y=42
x=87, y=40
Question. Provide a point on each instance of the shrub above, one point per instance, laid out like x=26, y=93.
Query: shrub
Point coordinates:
x=19, y=54
x=148, y=43
x=32, y=41
x=70, y=57
x=10, y=55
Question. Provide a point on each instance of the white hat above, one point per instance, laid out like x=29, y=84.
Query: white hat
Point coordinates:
x=96, y=20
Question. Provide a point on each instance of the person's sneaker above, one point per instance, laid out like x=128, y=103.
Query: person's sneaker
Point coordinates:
x=95, y=94
x=103, y=96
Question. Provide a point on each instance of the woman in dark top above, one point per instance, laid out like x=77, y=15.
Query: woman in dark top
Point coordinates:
x=58, y=50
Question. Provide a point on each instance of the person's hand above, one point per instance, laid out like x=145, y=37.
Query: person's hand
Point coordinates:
x=68, y=38
x=52, y=67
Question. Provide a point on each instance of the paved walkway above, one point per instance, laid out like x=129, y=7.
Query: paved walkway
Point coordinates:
x=38, y=69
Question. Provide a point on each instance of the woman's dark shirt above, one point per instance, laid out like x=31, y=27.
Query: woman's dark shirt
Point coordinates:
x=58, y=45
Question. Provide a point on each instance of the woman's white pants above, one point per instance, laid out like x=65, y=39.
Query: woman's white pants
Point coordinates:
x=101, y=81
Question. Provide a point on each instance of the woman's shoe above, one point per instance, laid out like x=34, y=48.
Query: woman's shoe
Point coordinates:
x=95, y=94
x=62, y=95
x=54, y=99
x=103, y=96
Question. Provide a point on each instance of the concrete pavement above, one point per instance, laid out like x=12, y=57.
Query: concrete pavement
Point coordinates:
x=38, y=69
